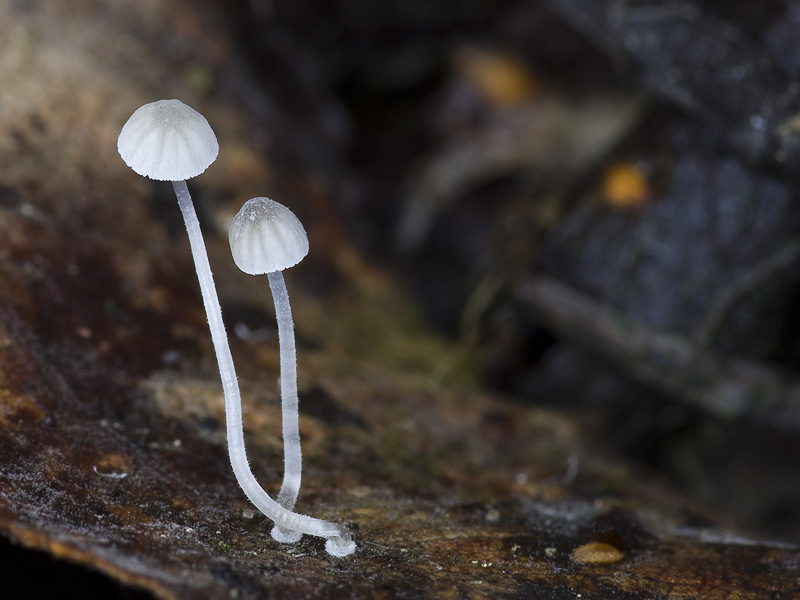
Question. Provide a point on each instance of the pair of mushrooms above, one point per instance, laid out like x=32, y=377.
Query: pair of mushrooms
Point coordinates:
x=169, y=141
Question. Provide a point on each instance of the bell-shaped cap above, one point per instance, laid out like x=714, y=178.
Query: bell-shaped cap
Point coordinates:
x=266, y=236
x=168, y=141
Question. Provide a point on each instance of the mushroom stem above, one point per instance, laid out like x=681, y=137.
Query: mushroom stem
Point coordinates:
x=338, y=538
x=292, y=454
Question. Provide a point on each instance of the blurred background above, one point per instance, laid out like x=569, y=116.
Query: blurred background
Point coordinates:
x=641, y=153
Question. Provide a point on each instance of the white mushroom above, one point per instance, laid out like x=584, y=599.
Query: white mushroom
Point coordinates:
x=266, y=238
x=169, y=141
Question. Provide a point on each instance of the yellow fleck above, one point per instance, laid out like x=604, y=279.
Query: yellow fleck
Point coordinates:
x=502, y=79
x=595, y=553
x=625, y=186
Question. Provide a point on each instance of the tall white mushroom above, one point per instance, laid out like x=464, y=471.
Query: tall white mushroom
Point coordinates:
x=169, y=141
x=266, y=238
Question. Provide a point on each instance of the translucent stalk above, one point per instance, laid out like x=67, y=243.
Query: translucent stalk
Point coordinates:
x=292, y=454
x=338, y=541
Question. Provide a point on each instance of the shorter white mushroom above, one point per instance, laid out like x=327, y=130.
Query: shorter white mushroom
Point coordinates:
x=266, y=238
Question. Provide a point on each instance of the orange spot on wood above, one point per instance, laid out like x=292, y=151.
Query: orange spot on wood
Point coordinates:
x=596, y=553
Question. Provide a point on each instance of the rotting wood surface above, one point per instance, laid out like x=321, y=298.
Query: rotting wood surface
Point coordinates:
x=112, y=452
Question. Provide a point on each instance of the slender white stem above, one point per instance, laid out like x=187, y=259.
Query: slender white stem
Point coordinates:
x=338, y=538
x=292, y=454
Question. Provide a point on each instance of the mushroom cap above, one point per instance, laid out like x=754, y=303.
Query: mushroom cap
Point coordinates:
x=167, y=141
x=266, y=236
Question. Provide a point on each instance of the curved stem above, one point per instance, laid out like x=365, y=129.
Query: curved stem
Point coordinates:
x=339, y=542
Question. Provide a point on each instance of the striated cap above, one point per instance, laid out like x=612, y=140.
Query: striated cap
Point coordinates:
x=168, y=141
x=266, y=236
